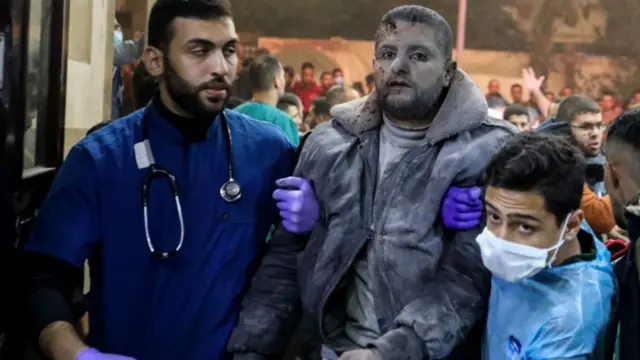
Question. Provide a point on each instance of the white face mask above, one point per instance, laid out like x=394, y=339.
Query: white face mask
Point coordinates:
x=514, y=262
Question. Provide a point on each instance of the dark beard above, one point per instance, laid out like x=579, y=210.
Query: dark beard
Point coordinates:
x=185, y=94
x=416, y=107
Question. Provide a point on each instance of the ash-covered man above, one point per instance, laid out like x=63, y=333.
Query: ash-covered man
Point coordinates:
x=381, y=274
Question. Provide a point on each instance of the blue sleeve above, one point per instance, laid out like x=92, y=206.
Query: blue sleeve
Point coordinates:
x=284, y=168
x=67, y=227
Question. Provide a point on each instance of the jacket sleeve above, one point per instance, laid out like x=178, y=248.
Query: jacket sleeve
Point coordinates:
x=271, y=310
x=430, y=327
x=597, y=211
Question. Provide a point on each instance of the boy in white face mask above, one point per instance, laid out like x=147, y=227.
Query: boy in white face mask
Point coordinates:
x=552, y=282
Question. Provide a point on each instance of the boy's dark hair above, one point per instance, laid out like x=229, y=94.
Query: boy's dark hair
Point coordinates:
x=164, y=12
x=307, y=65
x=262, y=71
x=336, y=70
x=288, y=99
x=575, y=105
x=514, y=109
x=626, y=129
x=324, y=73
x=516, y=86
x=144, y=85
x=541, y=163
x=419, y=15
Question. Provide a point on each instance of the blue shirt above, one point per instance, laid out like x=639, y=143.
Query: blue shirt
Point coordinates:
x=183, y=307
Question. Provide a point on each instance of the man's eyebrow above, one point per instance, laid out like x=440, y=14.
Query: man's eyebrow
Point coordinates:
x=209, y=43
x=513, y=215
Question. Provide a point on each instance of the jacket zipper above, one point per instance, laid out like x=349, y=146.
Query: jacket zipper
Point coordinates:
x=369, y=199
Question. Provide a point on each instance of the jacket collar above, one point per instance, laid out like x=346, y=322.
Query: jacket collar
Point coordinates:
x=464, y=108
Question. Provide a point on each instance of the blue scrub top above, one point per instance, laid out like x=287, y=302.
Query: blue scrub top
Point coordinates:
x=560, y=313
x=183, y=307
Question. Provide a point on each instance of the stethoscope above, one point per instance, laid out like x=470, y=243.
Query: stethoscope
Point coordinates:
x=230, y=191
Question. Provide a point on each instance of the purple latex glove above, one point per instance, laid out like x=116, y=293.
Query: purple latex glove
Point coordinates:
x=298, y=205
x=93, y=354
x=462, y=208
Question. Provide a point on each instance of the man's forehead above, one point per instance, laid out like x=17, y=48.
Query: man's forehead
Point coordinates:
x=218, y=31
x=588, y=117
x=406, y=31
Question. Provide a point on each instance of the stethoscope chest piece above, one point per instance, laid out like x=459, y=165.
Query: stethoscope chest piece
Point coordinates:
x=231, y=191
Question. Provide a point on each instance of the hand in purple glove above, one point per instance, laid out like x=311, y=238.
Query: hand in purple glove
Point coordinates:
x=93, y=354
x=462, y=208
x=298, y=205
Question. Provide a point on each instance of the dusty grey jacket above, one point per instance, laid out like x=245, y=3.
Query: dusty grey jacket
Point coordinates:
x=430, y=286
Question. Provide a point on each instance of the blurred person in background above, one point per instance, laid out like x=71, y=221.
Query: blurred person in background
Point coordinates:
x=291, y=104
x=326, y=81
x=124, y=53
x=289, y=78
x=517, y=94
x=307, y=89
x=609, y=110
x=538, y=103
x=266, y=76
x=494, y=97
x=565, y=91
x=553, y=107
x=241, y=87
x=622, y=178
x=338, y=77
x=359, y=88
x=549, y=95
x=341, y=94
x=370, y=82
x=319, y=112
x=518, y=115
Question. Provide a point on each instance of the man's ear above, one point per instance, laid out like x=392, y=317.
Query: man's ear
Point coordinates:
x=450, y=72
x=573, y=225
x=153, y=59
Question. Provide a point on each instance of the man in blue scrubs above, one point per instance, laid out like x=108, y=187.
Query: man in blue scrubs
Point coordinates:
x=182, y=306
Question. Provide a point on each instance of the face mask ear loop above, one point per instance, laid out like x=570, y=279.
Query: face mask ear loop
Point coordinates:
x=560, y=241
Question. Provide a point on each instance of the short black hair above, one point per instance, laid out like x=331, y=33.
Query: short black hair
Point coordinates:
x=370, y=79
x=514, y=109
x=576, y=105
x=288, y=99
x=144, y=85
x=307, y=65
x=336, y=70
x=421, y=15
x=321, y=106
x=626, y=129
x=262, y=71
x=289, y=70
x=164, y=12
x=542, y=163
